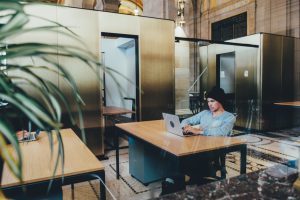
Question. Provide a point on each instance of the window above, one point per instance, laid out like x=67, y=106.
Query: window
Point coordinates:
x=230, y=28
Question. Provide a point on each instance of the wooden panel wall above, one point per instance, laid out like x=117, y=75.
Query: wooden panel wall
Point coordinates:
x=157, y=68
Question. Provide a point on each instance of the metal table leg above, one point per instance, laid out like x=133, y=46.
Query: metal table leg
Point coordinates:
x=73, y=192
x=102, y=186
x=116, y=144
x=243, y=159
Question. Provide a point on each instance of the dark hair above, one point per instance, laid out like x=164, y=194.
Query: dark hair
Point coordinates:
x=217, y=94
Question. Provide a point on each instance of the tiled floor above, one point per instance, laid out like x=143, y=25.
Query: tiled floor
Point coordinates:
x=264, y=150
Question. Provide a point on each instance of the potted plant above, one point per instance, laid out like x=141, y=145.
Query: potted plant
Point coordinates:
x=44, y=112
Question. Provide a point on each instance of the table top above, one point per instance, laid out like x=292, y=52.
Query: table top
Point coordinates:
x=273, y=183
x=154, y=132
x=38, y=164
x=112, y=110
x=290, y=103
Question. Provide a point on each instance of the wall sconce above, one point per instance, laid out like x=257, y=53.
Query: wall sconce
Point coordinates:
x=180, y=12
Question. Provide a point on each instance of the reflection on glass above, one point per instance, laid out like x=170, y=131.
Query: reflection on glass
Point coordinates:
x=202, y=64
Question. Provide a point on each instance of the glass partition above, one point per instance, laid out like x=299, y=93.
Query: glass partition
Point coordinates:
x=202, y=64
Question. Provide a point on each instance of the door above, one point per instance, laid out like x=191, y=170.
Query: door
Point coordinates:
x=226, y=78
x=119, y=52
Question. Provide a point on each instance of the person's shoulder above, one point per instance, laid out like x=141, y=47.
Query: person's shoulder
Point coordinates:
x=205, y=112
x=229, y=115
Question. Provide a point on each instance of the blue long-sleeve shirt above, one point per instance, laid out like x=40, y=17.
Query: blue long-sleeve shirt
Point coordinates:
x=214, y=126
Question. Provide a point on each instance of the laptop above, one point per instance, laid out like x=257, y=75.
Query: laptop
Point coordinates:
x=173, y=125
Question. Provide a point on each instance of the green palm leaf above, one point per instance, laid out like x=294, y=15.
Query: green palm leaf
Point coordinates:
x=44, y=112
x=14, y=164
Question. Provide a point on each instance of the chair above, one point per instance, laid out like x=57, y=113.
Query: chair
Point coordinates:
x=103, y=97
x=125, y=119
x=121, y=119
x=132, y=107
x=220, y=162
x=220, y=165
x=210, y=175
x=195, y=103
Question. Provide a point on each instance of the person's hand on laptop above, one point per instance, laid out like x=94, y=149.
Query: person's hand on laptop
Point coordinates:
x=21, y=135
x=188, y=129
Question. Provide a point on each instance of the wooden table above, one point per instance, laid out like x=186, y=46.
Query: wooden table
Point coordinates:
x=154, y=133
x=113, y=111
x=80, y=164
x=290, y=103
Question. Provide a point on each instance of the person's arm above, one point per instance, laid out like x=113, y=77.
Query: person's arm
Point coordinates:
x=187, y=124
x=193, y=129
x=194, y=120
x=224, y=129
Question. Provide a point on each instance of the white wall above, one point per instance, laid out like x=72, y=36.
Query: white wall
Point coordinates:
x=123, y=61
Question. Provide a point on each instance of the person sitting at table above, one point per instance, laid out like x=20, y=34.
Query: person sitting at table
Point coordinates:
x=213, y=122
